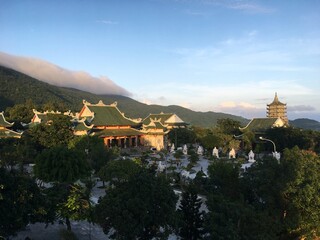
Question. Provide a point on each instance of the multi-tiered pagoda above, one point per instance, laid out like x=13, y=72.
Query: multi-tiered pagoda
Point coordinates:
x=277, y=109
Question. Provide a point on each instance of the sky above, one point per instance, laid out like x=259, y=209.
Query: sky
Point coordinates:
x=226, y=56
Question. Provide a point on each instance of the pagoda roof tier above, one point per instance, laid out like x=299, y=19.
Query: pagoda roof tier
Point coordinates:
x=106, y=115
x=4, y=122
x=118, y=132
x=276, y=101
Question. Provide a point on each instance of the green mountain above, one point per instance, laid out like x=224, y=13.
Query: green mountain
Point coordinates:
x=16, y=87
x=306, y=123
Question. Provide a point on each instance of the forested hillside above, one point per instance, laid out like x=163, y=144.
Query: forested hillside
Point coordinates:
x=16, y=87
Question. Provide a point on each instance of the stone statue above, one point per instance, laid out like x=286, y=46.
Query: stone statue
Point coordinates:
x=185, y=149
x=215, y=152
x=232, y=153
x=172, y=148
x=251, y=156
x=277, y=156
x=200, y=150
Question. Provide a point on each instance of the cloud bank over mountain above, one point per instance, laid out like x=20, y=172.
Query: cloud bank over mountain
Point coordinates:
x=58, y=76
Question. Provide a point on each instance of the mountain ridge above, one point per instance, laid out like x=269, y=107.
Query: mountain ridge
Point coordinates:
x=16, y=87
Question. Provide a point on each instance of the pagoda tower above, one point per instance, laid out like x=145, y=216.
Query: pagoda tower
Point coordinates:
x=277, y=109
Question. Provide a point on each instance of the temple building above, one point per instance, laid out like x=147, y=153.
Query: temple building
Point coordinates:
x=5, y=131
x=156, y=127
x=259, y=126
x=277, y=109
x=107, y=122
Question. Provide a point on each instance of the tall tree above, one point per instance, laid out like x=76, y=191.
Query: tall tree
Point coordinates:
x=63, y=167
x=190, y=215
x=137, y=208
x=20, y=203
x=118, y=171
x=301, y=193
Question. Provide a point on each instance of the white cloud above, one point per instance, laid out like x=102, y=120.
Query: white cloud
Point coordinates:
x=55, y=75
x=107, y=22
x=241, y=5
x=300, y=108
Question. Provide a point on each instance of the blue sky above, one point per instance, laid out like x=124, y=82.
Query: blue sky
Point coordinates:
x=207, y=55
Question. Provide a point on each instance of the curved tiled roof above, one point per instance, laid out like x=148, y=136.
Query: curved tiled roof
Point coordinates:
x=260, y=124
x=4, y=122
x=109, y=116
x=7, y=133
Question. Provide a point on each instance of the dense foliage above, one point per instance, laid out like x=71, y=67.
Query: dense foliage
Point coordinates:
x=20, y=203
x=138, y=207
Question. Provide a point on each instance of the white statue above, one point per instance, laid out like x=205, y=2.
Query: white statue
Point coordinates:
x=277, y=156
x=200, y=150
x=172, y=148
x=185, y=149
x=161, y=166
x=215, y=152
x=251, y=156
x=232, y=153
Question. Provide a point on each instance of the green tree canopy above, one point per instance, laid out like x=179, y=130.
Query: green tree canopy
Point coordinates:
x=20, y=203
x=118, y=171
x=21, y=112
x=56, y=131
x=301, y=193
x=60, y=164
x=191, y=218
x=137, y=208
x=96, y=152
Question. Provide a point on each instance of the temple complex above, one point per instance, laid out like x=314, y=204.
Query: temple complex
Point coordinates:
x=277, y=109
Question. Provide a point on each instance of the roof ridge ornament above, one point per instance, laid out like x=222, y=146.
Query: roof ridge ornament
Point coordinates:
x=114, y=104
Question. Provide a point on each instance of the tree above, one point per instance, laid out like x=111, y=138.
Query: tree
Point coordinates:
x=56, y=131
x=180, y=136
x=20, y=203
x=228, y=126
x=301, y=215
x=21, y=112
x=190, y=215
x=54, y=106
x=118, y=171
x=137, y=208
x=63, y=167
x=94, y=149
x=291, y=137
